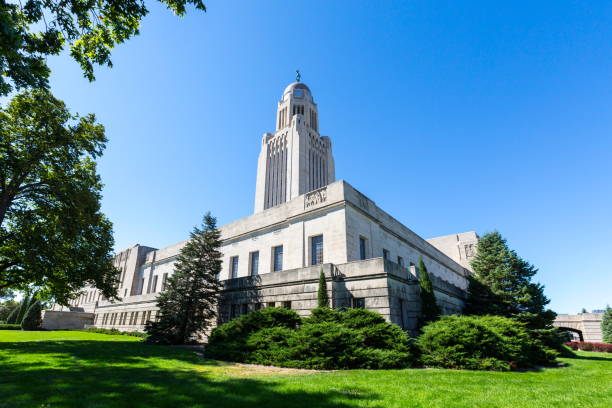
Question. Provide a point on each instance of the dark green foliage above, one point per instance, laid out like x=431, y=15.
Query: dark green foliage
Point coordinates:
x=606, y=325
x=115, y=332
x=430, y=310
x=33, y=30
x=481, y=343
x=583, y=310
x=502, y=285
x=322, y=297
x=10, y=327
x=228, y=341
x=52, y=233
x=33, y=317
x=189, y=305
x=329, y=339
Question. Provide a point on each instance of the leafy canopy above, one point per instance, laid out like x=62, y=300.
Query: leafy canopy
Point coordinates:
x=34, y=29
x=189, y=305
x=53, y=235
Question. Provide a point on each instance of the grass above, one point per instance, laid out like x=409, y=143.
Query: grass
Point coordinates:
x=79, y=369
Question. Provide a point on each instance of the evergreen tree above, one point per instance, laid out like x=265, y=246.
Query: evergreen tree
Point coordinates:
x=33, y=317
x=189, y=304
x=322, y=297
x=501, y=285
x=606, y=325
x=430, y=311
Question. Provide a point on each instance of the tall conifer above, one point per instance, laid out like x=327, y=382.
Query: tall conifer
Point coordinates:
x=606, y=325
x=322, y=297
x=189, y=305
x=430, y=310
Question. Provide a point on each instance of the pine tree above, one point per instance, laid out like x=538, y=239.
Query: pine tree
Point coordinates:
x=430, y=310
x=322, y=297
x=606, y=325
x=33, y=317
x=189, y=304
x=502, y=285
x=583, y=311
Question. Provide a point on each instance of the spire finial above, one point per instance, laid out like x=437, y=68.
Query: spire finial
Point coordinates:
x=298, y=76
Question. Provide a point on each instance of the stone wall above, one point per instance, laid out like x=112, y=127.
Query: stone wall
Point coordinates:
x=56, y=320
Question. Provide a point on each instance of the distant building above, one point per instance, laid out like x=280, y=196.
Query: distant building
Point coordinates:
x=583, y=326
x=304, y=221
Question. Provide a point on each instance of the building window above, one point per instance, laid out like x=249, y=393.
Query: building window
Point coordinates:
x=400, y=261
x=257, y=306
x=254, y=263
x=316, y=250
x=154, y=284
x=277, y=264
x=234, y=311
x=244, y=309
x=413, y=268
x=385, y=254
x=362, y=248
x=234, y=267
x=287, y=304
x=359, y=303
x=164, y=282
x=270, y=304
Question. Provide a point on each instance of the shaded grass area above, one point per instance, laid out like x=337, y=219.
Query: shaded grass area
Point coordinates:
x=79, y=369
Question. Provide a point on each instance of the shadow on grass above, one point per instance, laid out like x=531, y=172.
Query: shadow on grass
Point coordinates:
x=594, y=358
x=131, y=374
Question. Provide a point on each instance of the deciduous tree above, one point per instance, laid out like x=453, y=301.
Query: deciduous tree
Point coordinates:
x=53, y=235
x=34, y=29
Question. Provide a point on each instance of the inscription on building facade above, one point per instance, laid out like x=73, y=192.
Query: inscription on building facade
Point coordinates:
x=315, y=197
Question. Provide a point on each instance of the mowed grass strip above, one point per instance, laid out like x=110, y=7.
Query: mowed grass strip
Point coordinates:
x=78, y=369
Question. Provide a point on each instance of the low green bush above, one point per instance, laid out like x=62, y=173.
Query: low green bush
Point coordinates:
x=10, y=327
x=328, y=339
x=481, y=343
x=115, y=332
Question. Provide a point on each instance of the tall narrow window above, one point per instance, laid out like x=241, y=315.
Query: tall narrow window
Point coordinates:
x=254, y=263
x=316, y=250
x=385, y=255
x=154, y=284
x=400, y=261
x=277, y=258
x=234, y=267
x=164, y=282
x=413, y=269
x=362, y=248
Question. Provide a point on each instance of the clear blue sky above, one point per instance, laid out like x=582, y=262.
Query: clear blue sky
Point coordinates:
x=452, y=116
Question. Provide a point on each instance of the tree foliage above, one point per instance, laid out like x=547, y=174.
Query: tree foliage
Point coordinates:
x=189, y=305
x=32, y=320
x=481, y=343
x=606, y=325
x=6, y=308
x=35, y=29
x=53, y=235
x=502, y=285
x=322, y=297
x=430, y=310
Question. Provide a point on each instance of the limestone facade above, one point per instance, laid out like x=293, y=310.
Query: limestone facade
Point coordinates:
x=304, y=221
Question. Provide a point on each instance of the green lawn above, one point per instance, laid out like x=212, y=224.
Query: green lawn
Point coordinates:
x=76, y=369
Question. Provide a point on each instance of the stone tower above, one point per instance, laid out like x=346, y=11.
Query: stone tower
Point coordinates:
x=295, y=159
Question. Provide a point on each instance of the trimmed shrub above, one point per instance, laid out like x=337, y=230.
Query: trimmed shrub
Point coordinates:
x=590, y=346
x=481, y=343
x=228, y=341
x=115, y=332
x=32, y=320
x=328, y=339
x=10, y=327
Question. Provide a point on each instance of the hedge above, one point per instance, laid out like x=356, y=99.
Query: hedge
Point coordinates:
x=114, y=332
x=10, y=327
x=589, y=346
